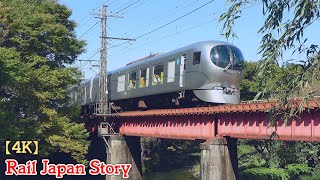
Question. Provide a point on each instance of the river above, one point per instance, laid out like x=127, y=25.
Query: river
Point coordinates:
x=183, y=174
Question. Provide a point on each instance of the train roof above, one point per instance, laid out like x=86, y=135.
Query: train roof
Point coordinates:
x=144, y=58
x=154, y=57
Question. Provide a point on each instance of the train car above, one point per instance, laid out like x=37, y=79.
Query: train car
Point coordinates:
x=203, y=73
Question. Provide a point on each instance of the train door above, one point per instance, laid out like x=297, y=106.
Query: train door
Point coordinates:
x=183, y=62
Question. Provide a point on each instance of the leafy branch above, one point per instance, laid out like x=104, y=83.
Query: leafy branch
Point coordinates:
x=283, y=31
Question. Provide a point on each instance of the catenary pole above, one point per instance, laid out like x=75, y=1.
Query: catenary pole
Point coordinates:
x=103, y=76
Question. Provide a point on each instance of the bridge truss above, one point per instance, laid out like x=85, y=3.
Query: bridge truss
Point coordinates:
x=248, y=121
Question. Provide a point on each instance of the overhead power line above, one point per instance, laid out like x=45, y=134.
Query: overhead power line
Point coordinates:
x=156, y=29
x=168, y=13
x=93, y=55
x=128, y=6
x=135, y=7
x=174, y=20
x=88, y=30
x=167, y=36
x=86, y=16
x=123, y=5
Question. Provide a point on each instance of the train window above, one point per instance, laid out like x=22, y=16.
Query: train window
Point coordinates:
x=158, y=75
x=171, y=71
x=184, y=61
x=220, y=56
x=132, y=81
x=144, y=78
x=196, y=57
x=121, y=83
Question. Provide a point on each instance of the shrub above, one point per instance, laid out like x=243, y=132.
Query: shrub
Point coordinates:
x=295, y=170
x=263, y=173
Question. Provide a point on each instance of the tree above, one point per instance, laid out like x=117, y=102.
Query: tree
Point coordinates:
x=252, y=84
x=294, y=158
x=37, y=42
x=283, y=31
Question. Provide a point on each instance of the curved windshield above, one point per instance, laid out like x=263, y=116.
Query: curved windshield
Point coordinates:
x=220, y=56
x=223, y=55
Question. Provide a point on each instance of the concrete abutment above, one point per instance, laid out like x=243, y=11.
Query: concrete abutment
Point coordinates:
x=125, y=150
x=219, y=159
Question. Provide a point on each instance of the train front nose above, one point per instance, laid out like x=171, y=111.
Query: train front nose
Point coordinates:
x=229, y=64
x=225, y=80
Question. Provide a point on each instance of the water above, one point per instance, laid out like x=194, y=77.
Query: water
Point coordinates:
x=183, y=174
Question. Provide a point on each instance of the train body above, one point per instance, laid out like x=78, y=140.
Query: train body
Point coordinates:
x=204, y=72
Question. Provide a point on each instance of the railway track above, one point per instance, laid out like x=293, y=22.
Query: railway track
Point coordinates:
x=260, y=106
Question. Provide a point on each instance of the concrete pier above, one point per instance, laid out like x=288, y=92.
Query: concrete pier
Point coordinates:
x=125, y=150
x=219, y=159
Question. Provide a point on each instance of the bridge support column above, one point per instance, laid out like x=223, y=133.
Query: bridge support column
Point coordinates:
x=219, y=159
x=125, y=150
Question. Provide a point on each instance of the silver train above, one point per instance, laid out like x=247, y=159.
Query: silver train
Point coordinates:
x=199, y=74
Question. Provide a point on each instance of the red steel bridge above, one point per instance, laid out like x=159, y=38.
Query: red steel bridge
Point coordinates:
x=248, y=120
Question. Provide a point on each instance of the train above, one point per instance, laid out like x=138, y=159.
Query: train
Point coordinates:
x=201, y=74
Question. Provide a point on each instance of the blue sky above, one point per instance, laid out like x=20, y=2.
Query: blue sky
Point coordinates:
x=144, y=16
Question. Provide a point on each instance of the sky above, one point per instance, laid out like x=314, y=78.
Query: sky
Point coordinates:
x=140, y=17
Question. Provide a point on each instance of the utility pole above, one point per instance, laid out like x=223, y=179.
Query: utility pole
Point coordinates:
x=103, y=97
x=115, y=143
x=103, y=84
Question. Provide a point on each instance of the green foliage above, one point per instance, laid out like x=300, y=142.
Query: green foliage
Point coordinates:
x=314, y=176
x=165, y=154
x=34, y=51
x=276, y=77
x=248, y=156
x=300, y=160
x=252, y=161
x=249, y=86
x=282, y=32
x=263, y=173
x=292, y=171
x=252, y=84
x=245, y=149
x=295, y=170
